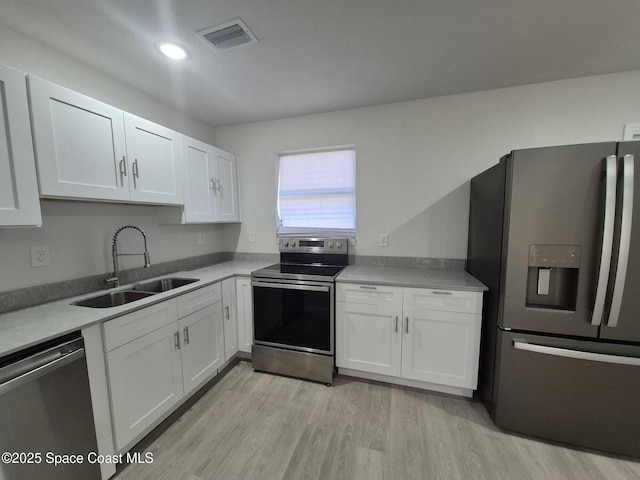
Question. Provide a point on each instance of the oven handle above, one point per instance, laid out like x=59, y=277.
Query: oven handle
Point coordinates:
x=290, y=286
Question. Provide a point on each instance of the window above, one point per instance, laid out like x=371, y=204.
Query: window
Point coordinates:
x=317, y=192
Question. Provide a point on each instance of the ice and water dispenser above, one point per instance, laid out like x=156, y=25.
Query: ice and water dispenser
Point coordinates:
x=553, y=276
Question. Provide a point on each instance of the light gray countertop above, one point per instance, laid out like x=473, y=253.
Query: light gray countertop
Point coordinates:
x=412, y=277
x=30, y=326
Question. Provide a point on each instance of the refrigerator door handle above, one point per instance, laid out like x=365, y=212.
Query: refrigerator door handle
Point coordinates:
x=577, y=354
x=607, y=238
x=625, y=239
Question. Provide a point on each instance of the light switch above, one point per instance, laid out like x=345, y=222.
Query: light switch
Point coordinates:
x=544, y=276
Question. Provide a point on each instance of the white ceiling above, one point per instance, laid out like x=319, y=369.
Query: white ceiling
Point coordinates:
x=322, y=55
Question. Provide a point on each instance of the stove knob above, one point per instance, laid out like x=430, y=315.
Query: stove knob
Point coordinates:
x=285, y=243
x=338, y=244
x=293, y=243
x=330, y=243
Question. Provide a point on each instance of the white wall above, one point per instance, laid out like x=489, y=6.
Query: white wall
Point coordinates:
x=415, y=159
x=78, y=233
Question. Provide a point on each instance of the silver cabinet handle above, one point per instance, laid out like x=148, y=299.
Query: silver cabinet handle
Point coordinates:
x=219, y=185
x=625, y=239
x=226, y=310
x=136, y=172
x=578, y=354
x=396, y=324
x=607, y=238
x=441, y=292
x=176, y=338
x=365, y=287
x=406, y=329
x=185, y=334
x=123, y=171
x=213, y=183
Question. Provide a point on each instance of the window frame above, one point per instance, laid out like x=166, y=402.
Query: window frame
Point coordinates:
x=308, y=231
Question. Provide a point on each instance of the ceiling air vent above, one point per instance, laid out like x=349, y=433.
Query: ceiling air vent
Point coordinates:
x=228, y=35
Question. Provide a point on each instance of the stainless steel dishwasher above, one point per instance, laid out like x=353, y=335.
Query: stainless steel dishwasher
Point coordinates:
x=45, y=410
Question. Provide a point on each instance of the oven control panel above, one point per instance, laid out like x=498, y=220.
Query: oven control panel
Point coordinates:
x=313, y=245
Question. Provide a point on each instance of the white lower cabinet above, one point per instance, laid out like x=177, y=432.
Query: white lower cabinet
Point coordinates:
x=441, y=347
x=365, y=338
x=202, y=346
x=230, y=318
x=158, y=356
x=145, y=378
x=245, y=314
x=380, y=331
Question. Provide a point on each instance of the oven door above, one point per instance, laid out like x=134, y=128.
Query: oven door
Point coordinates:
x=294, y=314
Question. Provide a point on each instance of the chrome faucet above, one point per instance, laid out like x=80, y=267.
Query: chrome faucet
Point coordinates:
x=115, y=280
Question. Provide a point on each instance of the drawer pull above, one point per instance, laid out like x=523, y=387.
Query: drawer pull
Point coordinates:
x=365, y=287
x=440, y=292
x=176, y=338
x=577, y=354
x=396, y=324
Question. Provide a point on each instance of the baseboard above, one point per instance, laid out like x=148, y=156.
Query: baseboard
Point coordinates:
x=461, y=392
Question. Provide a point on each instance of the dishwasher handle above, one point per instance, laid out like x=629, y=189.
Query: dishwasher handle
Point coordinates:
x=31, y=368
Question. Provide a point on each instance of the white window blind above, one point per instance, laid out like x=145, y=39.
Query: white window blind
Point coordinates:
x=317, y=193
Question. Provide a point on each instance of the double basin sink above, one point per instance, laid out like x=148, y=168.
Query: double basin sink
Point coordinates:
x=138, y=292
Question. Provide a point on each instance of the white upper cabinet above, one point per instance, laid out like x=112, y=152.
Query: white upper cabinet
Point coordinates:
x=82, y=150
x=79, y=143
x=154, y=162
x=200, y=202
x=227, y=187
x=210, y=184
x=19, y=202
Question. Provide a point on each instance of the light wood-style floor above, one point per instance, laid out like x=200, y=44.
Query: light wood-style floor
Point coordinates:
x=260, y=426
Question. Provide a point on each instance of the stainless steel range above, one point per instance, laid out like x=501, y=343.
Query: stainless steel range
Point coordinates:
x=293, y=309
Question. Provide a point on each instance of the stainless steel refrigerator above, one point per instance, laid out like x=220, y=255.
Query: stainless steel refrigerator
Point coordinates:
x=555, y=234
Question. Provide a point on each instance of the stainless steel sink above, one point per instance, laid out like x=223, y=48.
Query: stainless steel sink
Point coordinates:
x=164, y=284
x=112, y=299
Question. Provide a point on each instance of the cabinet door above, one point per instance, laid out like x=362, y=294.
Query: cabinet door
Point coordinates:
x=202, y=346
x=368, y=338
x=79, y=144
x=229, y=307
x=245, y=314
x=227, y=187
x=145, y=380
x=441, y=347
x=200, y=201
x=155, y=161
x=19, y=200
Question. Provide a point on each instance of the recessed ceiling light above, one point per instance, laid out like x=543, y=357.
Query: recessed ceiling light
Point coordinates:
x=172, y=50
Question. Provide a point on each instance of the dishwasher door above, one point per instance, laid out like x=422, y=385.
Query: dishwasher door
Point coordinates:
x=45, y=410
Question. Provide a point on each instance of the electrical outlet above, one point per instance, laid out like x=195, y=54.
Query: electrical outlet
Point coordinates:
x=252, y=237
x=384, y=239
x=39, y=256
x=200, y=239
x=631, y=131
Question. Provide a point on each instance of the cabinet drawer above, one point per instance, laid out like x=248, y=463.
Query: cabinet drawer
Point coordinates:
x=369, y=294
x=443, y=300
x=134, y=325
x=203, y=297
